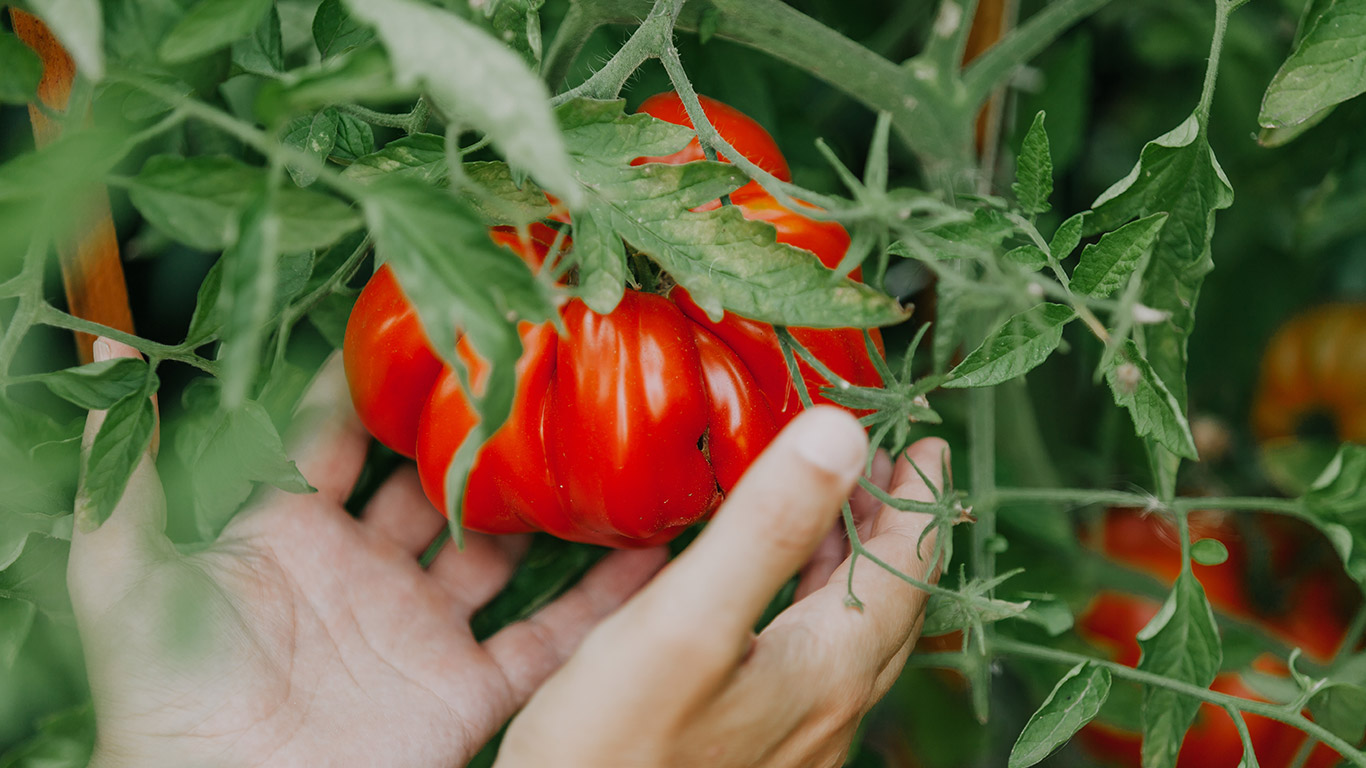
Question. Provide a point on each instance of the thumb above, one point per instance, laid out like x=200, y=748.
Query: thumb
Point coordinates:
x=105, y=558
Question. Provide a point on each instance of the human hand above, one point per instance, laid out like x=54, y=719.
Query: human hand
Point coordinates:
x=677, y=678
x=303, y=636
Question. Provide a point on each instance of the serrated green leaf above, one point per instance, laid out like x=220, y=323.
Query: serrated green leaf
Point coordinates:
x=601, y=258
x=1154, y=409
x=316, y=136
x=1336, y=504
x=263, y=52
x=1067, y=236
x=476, y=81
x=1107, y=264
x=500, y=199
x=518, y=24
x=944, y=615
x=724, y=261
x=421, y=157
x=228, y=453
x=457, y=278
x=98, y=385
x=1017, y=347
x=355, y=138
x=1028, y=256
x=334, y=31
x=1034, y=170
x=1327, y=67
x=118, y=447
x=1178, y=174
x=199, y=201
x=360, y=75
x=1182, y=643
x=79, y=26
x=1073, y=703
x=211, y=25
x=295, y=269
x=20, y=70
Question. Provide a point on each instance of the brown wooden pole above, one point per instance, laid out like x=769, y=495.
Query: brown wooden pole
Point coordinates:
x=92, y=273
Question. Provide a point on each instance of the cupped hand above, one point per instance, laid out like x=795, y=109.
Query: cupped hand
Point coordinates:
x=676, y=678
x=303, y=636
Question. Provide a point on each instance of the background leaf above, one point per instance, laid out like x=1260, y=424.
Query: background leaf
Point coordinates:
x=1327, y=67
x=20, y=70
x=211, y=25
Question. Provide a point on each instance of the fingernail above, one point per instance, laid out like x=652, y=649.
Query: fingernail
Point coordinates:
x=832, y=440
x=102, y=351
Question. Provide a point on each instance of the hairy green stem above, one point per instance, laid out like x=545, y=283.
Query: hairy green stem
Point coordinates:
x=647, y=42
x=1011, y=647
x=51, y=316
x=410, y=122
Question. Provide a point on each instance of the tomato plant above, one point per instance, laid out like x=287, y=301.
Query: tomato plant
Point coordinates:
x=582, y=297
x=627, y=427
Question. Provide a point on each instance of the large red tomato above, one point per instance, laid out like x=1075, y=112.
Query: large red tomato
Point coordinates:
x=1114, y=619
x=625, y=428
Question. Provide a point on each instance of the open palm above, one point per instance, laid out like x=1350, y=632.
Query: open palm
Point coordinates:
x=303, y=634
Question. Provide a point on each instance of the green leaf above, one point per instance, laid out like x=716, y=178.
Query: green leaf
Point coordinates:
x=500, y=198
x=209, y=314
x=250, y=278
x=211, y=25
x=98, y=385
x=228, y=453
x=601, y=257
x=200, y=201
x=16, y=620
x=458, y=279
x=263, y=52
x=355, y=138
x=1209, y=552
x=316, y=136
x=1028, y=256
x=1178, y=174
x=1034, y=170
x=1153, y=408
x=1017, y=347
x=1067, y=236
x=724, y=261
x=355, y=76
x=18, y=526
x=944, y=615
x=118, y=447
x=1182, y=643
x=334, y=31
x=20, y=70
x=1107, y=264
x=518, y=24
x=1073, y=703
x=330, y=315
x=1336, y=504
x=64, y=739
x=1327, y=67
x=421, y=157
x=79, y=26
x=475, y=81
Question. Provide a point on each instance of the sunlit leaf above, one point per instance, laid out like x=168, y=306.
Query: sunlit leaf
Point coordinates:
x=1017, y=347
x=1073, y=703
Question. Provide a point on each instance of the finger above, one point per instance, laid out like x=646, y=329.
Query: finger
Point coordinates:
x=892, y=607
x=706, y=601
x=327, y=441
x=529, y=651
x=400, y=513
x=104, y=557
x=476, y=574
x=835, y=546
